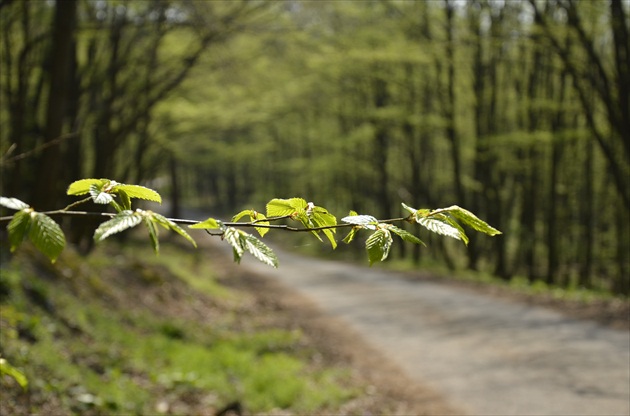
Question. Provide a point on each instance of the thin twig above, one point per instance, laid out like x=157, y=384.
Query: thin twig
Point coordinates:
x=5, y=159
x=253, y=224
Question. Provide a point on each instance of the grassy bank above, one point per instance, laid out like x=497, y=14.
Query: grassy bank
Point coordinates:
x=125, y=332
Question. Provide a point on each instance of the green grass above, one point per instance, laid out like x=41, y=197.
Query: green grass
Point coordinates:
x=87, y=354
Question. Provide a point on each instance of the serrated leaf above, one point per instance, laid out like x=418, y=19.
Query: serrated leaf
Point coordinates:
x=258, y=217
x=350, y=236
x=440, y=226
x=13, y=203
x=283, y=207
x=153, y=232
x=137, y=191
x=208, y=224
x=18, y=228
x=122, y=221
x=469, y=219
x=320, y=217
x=99, y=196
x=405, y=235
x=82, y=187
x=378, y=245
x=240, y=215
x=168, y=224
x=364, y=221
x=46, y=235
x=125, y=200
x=412, y=211
x=259, y=250
x=233, y=237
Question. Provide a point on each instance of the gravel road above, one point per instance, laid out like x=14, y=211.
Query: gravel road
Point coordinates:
x=486, y=355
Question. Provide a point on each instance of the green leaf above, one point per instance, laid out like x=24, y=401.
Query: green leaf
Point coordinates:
x=17, y=375
x=440, y=225
x=233, y=237
x=13, y=203
x=412, y=211
x=378, y=245
x=320, y=217
x=125, y=200
x=405, y=235
x=18, y=227
x=46, y=235
x=254, y=216
x=364, y=221
x=99, y=196
x=351, y=234
x=82, y=187
x=240, y=215
x=137, y=191
x=122, y=221
x=208, y=224
x=285, y=207
x=258, y=249
x=168, y=224
x=153, y=232
x=469, y=219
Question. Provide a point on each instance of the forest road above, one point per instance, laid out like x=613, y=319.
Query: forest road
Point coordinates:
x=485, y=355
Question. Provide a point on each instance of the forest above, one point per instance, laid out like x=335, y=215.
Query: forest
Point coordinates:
x=517, y=110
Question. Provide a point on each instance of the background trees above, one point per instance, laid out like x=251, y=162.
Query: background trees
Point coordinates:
x=517, y=110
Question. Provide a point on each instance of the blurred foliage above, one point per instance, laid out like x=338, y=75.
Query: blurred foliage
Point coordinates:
x=515, y=110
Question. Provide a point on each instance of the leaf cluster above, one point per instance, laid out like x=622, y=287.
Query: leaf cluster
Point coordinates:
x=48, y=237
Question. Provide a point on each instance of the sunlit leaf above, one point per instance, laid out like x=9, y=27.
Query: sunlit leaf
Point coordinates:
x=137, y=191
x=208, y=224
x=320, y=217
x=469, y=219
x=125, y=200
x=259, y=250
x=405, y=235
x=440, y=226
x=233, y=237
x=412, y=211
x=46, y=235
x=122, y=221
x=18, y=227
x=350, y=236
x=99, y=196
x=364, y=221
x=378, y=245
x=13, y=203
x=284, y=207
x=246, y=213
x=168, y=224
x=153, y=232
x=82, y=187
x=256, y=216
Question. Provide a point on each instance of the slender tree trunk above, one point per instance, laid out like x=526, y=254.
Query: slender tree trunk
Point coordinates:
x=381, y=150
x=48, y=185
x=173, y=170
x=451, y=129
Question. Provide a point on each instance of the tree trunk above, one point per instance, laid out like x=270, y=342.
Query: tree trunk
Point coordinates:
x=48, y=185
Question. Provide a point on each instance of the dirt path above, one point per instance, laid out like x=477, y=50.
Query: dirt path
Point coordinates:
x=486, y=355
